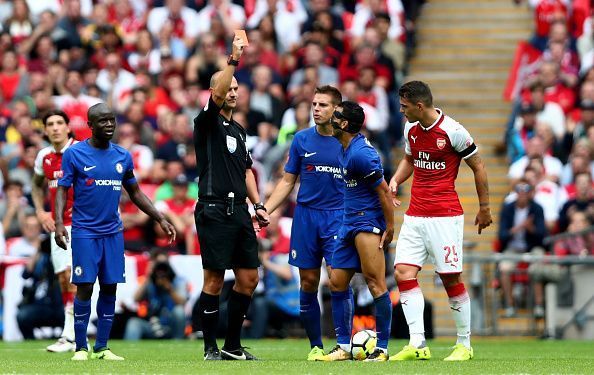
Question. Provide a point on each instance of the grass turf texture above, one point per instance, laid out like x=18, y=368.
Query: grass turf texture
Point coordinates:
x=492, y=356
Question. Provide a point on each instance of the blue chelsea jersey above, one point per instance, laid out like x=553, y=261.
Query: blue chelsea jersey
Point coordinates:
x=362, y=171
x=314, y=158
x=97, y=177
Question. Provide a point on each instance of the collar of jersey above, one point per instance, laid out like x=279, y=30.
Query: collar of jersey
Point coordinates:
x=437, y=122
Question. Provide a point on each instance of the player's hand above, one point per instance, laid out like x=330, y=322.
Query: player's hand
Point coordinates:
x=256, y=224
x=168, y=229
x=394, y=191
x=263, y=218
x=238, y=45
x=483, y=219
x=62, y=238
x=46, y=220
x=387, y=238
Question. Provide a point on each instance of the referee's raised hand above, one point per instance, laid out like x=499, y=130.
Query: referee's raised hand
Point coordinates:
x=238, y=45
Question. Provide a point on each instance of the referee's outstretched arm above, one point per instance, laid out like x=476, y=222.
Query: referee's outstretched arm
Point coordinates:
x=220, y=82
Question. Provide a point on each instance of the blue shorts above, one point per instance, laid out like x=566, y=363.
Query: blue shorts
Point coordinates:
x=313, y=236
x=101, y=257
x=346, y=255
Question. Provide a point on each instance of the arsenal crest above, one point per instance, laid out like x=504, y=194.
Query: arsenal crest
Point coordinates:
x=441, y=143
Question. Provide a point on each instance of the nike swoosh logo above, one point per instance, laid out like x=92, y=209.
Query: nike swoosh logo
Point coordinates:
x=211, y=312
x=308, y=154
x=79, y=315
x=241, y=357
x=86, y=169
x=108, y=316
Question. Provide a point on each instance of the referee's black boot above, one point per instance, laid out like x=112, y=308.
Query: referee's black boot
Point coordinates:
x=237, y=355
x=212, y=354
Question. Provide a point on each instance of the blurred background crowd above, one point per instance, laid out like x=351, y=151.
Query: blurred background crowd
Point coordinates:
x=151, y=61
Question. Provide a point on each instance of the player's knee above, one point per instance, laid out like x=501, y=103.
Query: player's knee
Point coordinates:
x=84, y=291
x=248, y=283
x=309, y=283
x=401, y=274
x=213, y=285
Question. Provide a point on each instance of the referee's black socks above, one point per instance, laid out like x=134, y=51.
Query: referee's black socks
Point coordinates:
x=209, y=315
x=238, y=307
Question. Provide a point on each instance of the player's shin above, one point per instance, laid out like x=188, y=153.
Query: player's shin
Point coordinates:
x=105, y=316
x=82, y=312
x=383, y=320
x=209, y=316
x=413, y=305
x=342, y=313
x=238, y=307
x=68, y=301
x=460, y=305
x=309, y=310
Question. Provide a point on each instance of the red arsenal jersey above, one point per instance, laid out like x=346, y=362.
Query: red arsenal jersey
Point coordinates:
x=436, y=151
x=48, y=163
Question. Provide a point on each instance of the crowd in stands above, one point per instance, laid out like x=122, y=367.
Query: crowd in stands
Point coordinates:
x=550, y=145
x=151, y=61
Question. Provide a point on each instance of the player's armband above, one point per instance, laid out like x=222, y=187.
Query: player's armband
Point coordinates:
x=373, y=177
x=467, y=151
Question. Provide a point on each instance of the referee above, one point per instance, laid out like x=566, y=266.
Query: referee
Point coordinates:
x=225, y=230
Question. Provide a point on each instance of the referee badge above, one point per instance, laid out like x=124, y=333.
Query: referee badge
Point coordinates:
x=231, y=144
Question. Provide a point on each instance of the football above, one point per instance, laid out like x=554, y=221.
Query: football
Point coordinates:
x=363, y=344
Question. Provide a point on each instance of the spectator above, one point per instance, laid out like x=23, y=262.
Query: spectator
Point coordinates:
x=174, y=168
x=13, y=209
x=182, y=19
x=581, y=201
x=175, y=148
x=142, y=156
x=207, y=60
x=75, y=104
x=314, y=57
x=521, y=230
x=231, y=15
x=524, y=130
x=30, y=242
x=179, y=210
x=145, y=55
x=42, y=300
x=287, y=15
x=113, y=79
x=161, y=297
x=535, y=148
x=19, y=25
x=72, y=24
x=12, y=80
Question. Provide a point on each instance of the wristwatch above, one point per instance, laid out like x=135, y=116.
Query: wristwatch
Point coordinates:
x=259, y=206
x=230, y=61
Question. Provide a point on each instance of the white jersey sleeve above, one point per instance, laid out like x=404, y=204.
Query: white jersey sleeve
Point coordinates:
x=407, y=128
x=38, y=165
x=460, y=139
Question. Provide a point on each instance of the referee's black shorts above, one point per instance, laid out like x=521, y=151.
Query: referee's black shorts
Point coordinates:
x=226, y=241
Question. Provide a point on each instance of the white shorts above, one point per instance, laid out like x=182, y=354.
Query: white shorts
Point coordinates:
x=61, y=259
x=437, y=238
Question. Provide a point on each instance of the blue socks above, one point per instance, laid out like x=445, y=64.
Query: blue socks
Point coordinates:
x=310, y=317
x=343, y=309
x=383, y=319
x=82, y=313
x=105, y=314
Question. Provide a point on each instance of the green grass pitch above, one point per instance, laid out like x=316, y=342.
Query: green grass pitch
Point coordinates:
x=492, y=356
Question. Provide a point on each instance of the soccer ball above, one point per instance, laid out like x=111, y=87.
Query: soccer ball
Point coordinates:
x=363, y=344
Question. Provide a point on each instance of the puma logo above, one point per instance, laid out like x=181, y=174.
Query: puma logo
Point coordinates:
x=414, y=139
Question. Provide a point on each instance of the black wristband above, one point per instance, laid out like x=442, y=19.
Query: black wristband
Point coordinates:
x=230, y=61
x=259, y=206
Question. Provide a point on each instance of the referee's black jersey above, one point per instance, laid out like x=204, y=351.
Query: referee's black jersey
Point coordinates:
x=221, y=154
